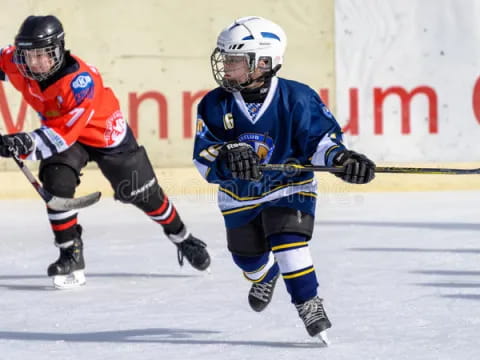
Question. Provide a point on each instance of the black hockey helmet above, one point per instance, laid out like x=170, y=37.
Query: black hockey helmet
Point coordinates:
x=40, y=35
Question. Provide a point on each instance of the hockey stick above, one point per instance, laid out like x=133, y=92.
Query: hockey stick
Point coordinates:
x=378, y=169
x=56, y=202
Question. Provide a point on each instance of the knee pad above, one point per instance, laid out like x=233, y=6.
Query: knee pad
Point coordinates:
x=59, y=180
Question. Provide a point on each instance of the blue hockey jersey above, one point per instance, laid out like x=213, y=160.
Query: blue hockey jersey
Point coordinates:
x=291, y=125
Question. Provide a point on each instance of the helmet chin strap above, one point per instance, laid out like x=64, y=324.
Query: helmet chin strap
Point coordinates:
x=262, y=78
x=274, y=71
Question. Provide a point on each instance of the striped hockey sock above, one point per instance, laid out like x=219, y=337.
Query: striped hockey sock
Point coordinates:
x=64, y=225
x=293, y=257
x=167, y=216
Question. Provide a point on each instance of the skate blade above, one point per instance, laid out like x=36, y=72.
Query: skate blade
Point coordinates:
x=70, y=281
x=323, y=338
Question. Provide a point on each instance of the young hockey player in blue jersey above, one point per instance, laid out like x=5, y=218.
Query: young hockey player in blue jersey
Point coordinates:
x=255, y=118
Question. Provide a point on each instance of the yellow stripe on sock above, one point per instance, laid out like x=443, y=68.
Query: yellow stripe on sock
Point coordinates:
x=286, y=246
x=292, y=276
x=255, y=281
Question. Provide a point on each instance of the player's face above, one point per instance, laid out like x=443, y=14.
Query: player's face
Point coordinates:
x=39, y=61
x=262, y=67
x=236, y=68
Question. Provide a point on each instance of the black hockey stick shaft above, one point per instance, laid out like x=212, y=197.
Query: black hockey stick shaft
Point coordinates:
x=44, y=194
x=378, y=169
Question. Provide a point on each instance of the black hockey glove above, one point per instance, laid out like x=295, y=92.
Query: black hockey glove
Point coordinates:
x=358, y=168
x=15, y=144
x=241, y=160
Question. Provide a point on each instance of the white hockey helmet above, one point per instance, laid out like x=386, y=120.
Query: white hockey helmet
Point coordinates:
x=251, y=38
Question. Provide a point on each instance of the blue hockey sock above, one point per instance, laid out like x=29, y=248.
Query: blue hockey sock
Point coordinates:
x=295, y=262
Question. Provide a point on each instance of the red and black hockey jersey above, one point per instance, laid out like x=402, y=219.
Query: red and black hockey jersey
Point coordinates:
x=75, y=107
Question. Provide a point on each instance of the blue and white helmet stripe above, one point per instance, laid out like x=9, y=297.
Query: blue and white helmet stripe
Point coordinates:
x=254, y=34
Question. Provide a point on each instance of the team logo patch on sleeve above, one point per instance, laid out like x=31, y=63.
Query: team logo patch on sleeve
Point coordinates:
x=82, y=86
x=201, y=128
x=327, y=112
x=54, y=138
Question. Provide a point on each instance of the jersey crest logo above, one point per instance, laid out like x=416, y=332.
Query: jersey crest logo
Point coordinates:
x=82, y=86
x=262, y=143
x=81, y=81
x=228, y=122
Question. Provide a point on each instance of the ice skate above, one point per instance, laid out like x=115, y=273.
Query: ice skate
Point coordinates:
x=68, y=270
x=315, y=319
x=191, y=248
x=261, y=294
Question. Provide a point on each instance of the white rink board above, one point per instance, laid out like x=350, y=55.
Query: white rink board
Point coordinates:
x=155, y=55
x=411, y=44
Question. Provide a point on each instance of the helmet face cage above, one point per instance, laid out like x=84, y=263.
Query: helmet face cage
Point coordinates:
x=234, y=71
x=50, y=57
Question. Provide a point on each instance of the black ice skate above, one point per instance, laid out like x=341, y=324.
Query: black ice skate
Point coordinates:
x=261, y=294
x=314, y=317
x=68, y=270
x=193, y=249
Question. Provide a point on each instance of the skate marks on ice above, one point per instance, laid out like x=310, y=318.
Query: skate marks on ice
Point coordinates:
x=46, y=280
x=16, y=287
x=464, y=296
x=453, y=285
x=415, y=250
x=446, y=279
x=447, y=272
x=151, y=336
x=101, y=275
x=404, y=224
x=455, y=279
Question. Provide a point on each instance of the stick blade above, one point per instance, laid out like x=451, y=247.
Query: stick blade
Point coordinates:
x=65, y=204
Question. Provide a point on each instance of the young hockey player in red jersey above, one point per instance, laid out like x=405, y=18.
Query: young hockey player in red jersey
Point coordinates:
x=81, y=121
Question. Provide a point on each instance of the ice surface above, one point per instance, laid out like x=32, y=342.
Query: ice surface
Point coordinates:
x=399, y=272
